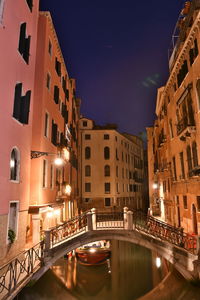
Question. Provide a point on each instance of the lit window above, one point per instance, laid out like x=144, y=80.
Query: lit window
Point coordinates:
x=14, y=165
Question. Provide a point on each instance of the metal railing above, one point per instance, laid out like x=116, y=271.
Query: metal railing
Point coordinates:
x=166, y=232
x=68, y=229
x=110, y=220
x=20, y=269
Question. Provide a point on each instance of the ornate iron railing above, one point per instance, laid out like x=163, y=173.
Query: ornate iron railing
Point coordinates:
x=17, y=271
x=164, y=231
x=68, y=229
x=110, y=220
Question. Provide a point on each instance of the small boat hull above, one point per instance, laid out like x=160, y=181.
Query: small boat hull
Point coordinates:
x=92, y=256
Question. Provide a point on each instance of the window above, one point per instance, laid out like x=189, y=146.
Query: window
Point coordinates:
x=13, y=216
x=198, y=203
x=174, y=168
x=50, y=48
x=21, y=104
x=87, y=171
x=48, y=81
x=106, y=153
x=185, y=202
x=116, y=153
x=14, y=164
x=117, y=187
x=122, y=172
x=44, y=174
x=194, y=154
x=46, y=125
x=171, y=129
x=56, y=94
x=117, y=171
x=86, y=200
x=84, y=123
x=54, y=134
x=87, y=187
x=193, y=52
x=1, y=9
x=182, y=72
x=189, y=159
x=87, y=136
x=87, y=152
x=58, y=67
x=182, y=166
x=52, y=177
x=107, y=170
x=107, y=187
x=107, y=202
x=198, y=93
x=30, y=4
x=106, y=137
x=24, y=43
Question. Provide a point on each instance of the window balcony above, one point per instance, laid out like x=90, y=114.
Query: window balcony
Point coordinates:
x=185, y=128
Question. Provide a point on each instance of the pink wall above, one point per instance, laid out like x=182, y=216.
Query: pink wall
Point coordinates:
x=13, y=69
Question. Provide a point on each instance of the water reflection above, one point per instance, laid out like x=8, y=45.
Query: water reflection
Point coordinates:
x=131, y=273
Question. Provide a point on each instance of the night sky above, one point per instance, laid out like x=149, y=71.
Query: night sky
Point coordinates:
x=118, y=53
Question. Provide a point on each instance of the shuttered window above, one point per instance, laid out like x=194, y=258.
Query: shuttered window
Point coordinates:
x=21, y=105
x=30, y=4
x=58, y=67
x=24, y=43
x=54, y=130
x=56, y=94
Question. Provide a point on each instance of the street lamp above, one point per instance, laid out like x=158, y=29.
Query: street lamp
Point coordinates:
x=59, y=160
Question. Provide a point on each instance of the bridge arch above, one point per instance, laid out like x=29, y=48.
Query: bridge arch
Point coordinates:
x=181, y=259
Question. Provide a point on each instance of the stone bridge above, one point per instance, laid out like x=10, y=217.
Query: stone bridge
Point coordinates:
x=174, y=245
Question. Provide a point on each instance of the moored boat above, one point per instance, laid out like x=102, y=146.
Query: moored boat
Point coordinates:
x=93, y=254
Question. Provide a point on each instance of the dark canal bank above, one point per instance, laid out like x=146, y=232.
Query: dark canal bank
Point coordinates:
x=132, y=272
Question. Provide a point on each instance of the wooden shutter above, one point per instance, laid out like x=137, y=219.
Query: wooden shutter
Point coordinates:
x=30, y=4
x=25, y=107
x=17, y=101
x=27, y=49
x=54, y=133
x=22, y=38
x=56, y=94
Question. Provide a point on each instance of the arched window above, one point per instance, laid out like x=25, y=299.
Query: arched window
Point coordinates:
x=87, y=171
x=14, y=165
x=189, y=158
x=87, y=153
x=107, y=170
x=106, y=153
x=194, y=154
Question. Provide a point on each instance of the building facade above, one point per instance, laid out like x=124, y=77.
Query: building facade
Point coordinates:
x=111, y=168
x=174, y=140
x=55, y=122
x=18, y=32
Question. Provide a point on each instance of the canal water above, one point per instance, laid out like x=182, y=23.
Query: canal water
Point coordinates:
x=132, y=272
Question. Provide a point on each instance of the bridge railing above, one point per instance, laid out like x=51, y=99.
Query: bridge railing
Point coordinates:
x=68, y=229
x=109, y=220
x=20, y=269
x=164, y=231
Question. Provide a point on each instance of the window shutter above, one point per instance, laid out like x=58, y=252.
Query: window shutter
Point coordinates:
x=22, y=38
x=54, y=133
x=56, y=94
x=27, y=49
x=17, y=101
x=67, y=94
x=196, y=51
x=58, y=67
x=66, y=116
x=191, y=54
x=24, y=109
x=30, y=4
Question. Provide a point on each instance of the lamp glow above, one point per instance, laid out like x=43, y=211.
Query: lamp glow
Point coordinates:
x=92, y=250
x=158, y=262
x=155, y=186
x=57, y=212
x=66, y=154
x=49, y=214
x=68, y=189
x=12, y=163
x=58, y=161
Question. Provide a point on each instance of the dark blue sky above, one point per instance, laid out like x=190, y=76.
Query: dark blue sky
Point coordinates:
x=118, y=53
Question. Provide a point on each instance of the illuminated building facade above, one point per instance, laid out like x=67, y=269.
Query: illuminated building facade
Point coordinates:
x=18, y=32
x=174, y=140
x=55, y=121
x=112, y=168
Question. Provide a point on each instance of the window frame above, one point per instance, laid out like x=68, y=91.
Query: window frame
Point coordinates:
x=17, y=175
